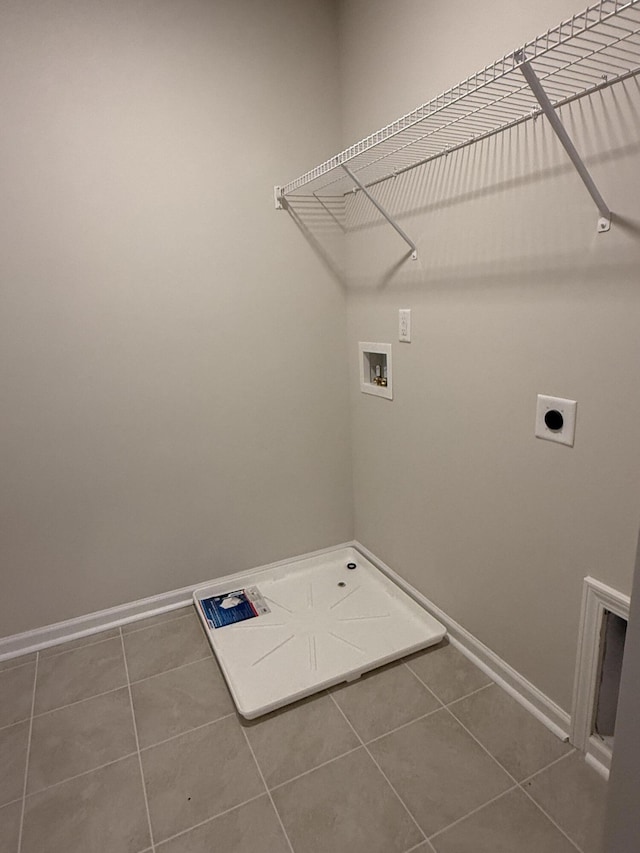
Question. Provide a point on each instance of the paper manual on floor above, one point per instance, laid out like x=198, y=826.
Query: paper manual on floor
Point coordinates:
x=231, y=607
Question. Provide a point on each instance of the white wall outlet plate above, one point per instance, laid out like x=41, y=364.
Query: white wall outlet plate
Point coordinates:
x=556, y=419
x=404, y=325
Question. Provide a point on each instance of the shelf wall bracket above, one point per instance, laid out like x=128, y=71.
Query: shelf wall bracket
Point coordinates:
x=381, y=210
x=604, y=222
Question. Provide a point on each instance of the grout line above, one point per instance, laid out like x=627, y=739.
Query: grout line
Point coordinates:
x=403, y=726
x=424, y=684
x=268, y=791
x=474, y=811
x=172, y=669
x=84, y=773
x=549, y=818
x=547, y=766
x=483, y=747
x=402, y=802
x=453, y=701
x=121, y=757
x=26, y=765
x=519, y=784
x=11, y=802
x=473, y=693
x=79, y=701
x=17, y=723
x=16, y=665
x=286, y=835
x=418, y=846
x=107, y=692
x=214, y=817
x=187, y=732
x=316, y=767
x=63, y=651
x=155, y=624
x=135, y=731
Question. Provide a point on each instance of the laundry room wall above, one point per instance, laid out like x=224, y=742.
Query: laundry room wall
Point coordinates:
x=172, y=350
x=514, y=294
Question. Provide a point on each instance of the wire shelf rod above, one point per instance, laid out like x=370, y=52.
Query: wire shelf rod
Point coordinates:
x=594, y=65
x=596, y=47
x=559, y=129
x=380, y=209
x=489, y=134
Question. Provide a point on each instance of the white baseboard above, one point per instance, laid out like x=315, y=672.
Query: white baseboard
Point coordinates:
x=598, y=754
x=592, y=759
x=92, y=623
x=113, y=617
x=516, y=685
x=522, y=690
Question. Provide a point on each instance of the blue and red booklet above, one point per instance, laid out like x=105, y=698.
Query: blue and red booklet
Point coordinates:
x=236, y=606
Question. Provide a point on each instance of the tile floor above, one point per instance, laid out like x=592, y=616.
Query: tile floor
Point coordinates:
x=127, y=742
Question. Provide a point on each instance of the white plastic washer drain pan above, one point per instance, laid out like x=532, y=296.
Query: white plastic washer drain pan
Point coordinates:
x=318, y=632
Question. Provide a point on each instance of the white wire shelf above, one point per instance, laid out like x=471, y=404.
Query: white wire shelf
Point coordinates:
x=589, y=51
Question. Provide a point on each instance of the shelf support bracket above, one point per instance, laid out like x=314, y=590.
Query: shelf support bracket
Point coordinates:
x=604, y=222
x=380, y=209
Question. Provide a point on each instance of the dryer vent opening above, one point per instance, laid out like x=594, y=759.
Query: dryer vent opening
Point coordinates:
x=614, y=630
x=603, y=629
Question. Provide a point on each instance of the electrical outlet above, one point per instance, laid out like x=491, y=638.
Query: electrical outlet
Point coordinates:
x=556, y=419
x=404, y=325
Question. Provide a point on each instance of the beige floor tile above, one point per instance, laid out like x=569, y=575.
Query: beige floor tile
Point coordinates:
x=10, y=827
x=574, y=795
x=298, y=738
x=13, y=761
x=179, y=700
x=79, y=674
x=80, y=737
x=165, y=646
x=252, y=828
x=512, y=824
x=438, y=769
x=89, y=640
x=198, y=775
x=345, y=806
x=447, y=672
x=520, y=742
x=100, y=811
x=12, y=663
x=383, y=700
x=16, y=694
x=149, y=622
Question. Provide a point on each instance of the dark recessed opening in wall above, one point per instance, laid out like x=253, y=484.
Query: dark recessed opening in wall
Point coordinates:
x=614, y=630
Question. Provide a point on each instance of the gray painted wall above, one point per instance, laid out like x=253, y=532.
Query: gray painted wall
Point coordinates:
x=172, y=351
x=173, y=354
x=514, y=294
